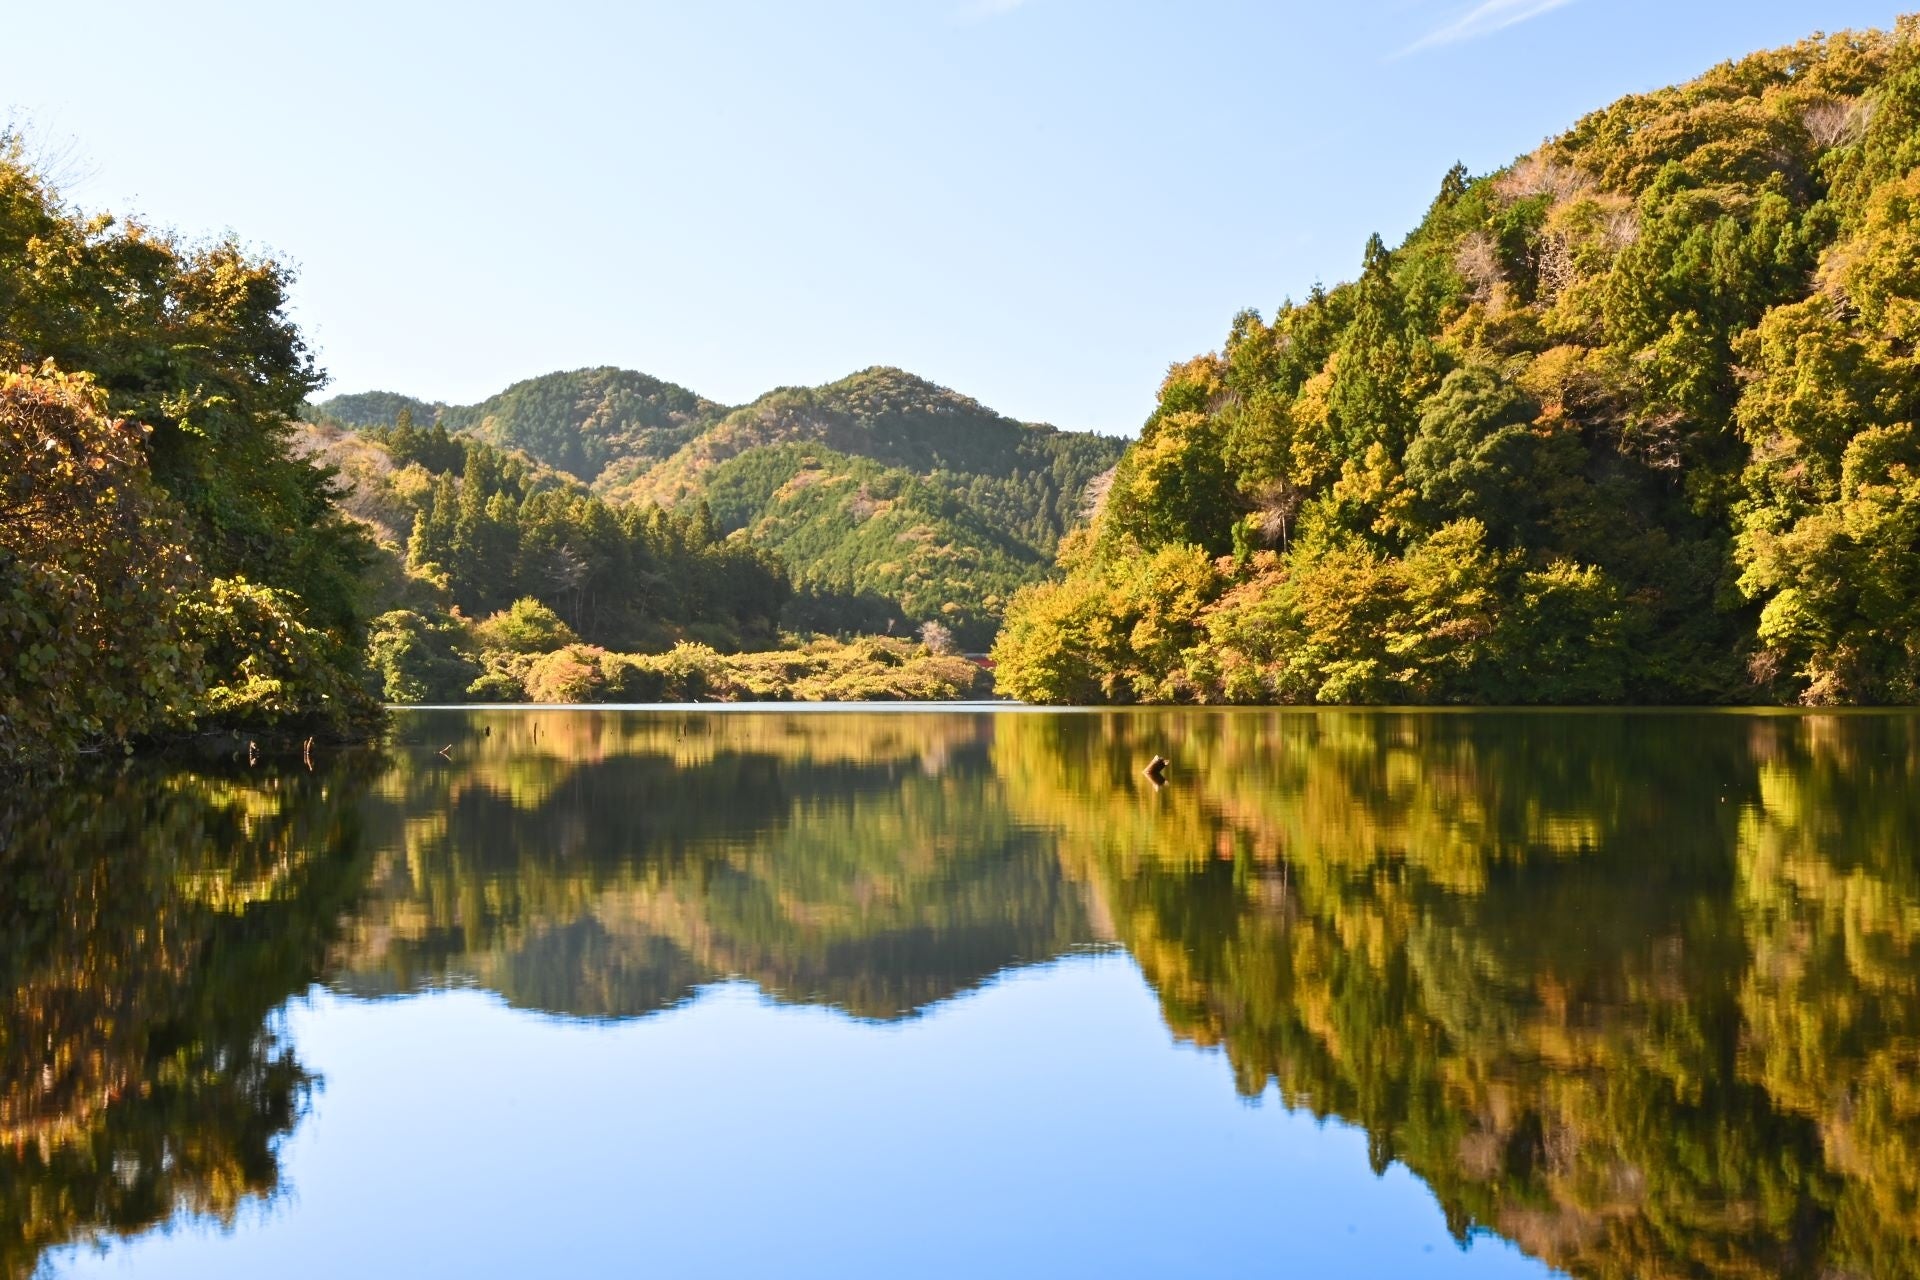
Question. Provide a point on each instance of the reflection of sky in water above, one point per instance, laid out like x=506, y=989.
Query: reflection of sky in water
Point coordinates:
x=1003, y=1133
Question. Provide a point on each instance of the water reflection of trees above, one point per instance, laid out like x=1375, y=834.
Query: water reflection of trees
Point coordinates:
x=149, y=924
x=606, y=865
x=1636, y=992
x=1641, y=993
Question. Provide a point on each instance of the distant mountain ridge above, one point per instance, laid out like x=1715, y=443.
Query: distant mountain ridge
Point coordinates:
x=582, y=421
x=362, y=409
x=577, y=421
x=881, y=483
x=597, y=423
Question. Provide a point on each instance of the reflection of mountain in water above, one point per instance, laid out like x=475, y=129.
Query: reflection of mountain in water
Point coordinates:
x=1639, y=993
x=605, y=866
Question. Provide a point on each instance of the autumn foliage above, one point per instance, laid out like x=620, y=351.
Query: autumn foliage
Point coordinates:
x=166, y=561
x=90, y=565
x=1632, y=419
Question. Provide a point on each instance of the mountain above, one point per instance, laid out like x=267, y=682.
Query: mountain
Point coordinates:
x=364, y=409
x=577, y=421
x=834, y=860
x=881, y=488
x=1631, y=419
x=887, y=415
x=583, y=421
x=886, y=483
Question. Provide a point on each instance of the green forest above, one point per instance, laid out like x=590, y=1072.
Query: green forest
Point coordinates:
x=167, y=561
x=1630, y=420
x=601, y=536
x=888, y=501
x=503, y=580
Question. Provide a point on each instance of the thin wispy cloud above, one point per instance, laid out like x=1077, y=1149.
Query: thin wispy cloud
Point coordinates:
x=1483, y=19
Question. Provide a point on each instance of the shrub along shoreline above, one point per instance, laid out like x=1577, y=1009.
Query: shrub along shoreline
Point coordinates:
x=526, y=653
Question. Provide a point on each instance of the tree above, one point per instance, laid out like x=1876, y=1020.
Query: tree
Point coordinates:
x=527, y=627
x=266, y=664
x=936, y=637
x=91, y=564
x=195, y=343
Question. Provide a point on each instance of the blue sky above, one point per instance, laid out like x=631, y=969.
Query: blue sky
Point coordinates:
x=1042, y=203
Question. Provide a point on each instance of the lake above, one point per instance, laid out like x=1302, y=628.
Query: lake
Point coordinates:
x=847, y=992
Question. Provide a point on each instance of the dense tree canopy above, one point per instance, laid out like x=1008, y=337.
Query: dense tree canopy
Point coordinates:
x=193, y=342
x=90, y=561
x=584, y=421
x=166, y=557
x=627, y=576
x=1630, y=419
x=889, y=500
x=507, y=581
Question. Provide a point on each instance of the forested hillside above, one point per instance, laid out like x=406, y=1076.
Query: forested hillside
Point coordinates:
x=166, y=559
x=887, y=500
x=180, y=554
x=585, y=421
x=580, y=421
x=1630, y=419
x=885, y=484
x=499, y=579
x=377, y=409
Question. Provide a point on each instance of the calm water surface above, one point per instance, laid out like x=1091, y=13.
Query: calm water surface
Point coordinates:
x=680, y=993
